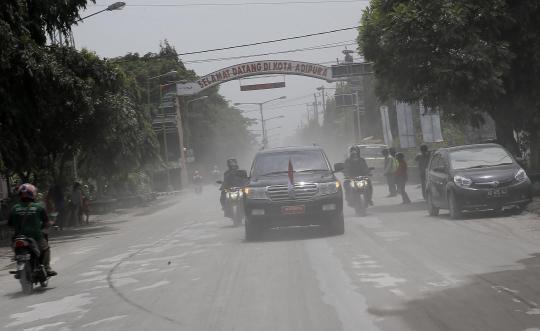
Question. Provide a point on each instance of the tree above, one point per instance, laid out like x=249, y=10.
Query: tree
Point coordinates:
x=58, y=102
x=213, y=130
x=463, y=56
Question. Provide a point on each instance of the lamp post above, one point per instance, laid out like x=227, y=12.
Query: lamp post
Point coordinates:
x=115, y=6
x=163, y=127
x=261, y=104
x=188, y=129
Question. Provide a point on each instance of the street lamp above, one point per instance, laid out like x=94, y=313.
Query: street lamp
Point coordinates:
x=115, y=6
x=187, y=116
x=163, y=127
x=260, y=104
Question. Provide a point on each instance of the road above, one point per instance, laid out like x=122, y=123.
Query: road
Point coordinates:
x=185, y=267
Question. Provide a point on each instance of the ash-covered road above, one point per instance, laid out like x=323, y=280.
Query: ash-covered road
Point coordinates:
x=186, y=268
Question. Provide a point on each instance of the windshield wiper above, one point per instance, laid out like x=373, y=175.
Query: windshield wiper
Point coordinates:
x=274, y=173
x=478, y=166
x=313, y=170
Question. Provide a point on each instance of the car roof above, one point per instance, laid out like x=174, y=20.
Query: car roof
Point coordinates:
x=472, y=146
x=290, y=149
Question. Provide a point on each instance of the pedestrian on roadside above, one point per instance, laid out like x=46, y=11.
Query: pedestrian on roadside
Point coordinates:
x=423, y=159
x=75, y=204
x=402, y=177
x=389, y=172
x=59, y=206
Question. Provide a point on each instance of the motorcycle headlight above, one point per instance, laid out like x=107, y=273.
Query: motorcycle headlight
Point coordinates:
x=521, y=176
x=360, y=184
x=462, y=182
x=256, y=193
x=329, y=188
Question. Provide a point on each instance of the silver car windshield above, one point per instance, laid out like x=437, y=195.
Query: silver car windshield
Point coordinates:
x=479, y=158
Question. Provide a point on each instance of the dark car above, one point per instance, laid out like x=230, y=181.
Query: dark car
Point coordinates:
x=475, y=178
x=313, y=198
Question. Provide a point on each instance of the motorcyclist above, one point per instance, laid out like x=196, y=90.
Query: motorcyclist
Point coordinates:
x=231, y=178
x=197, y=178
x=356, y=166
x=30, y=219
x=215, y=172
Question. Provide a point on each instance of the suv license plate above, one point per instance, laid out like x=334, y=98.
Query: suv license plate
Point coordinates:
x=498, y=192
x=293, y=210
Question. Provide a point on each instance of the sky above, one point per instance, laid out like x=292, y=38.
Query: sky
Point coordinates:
x=192, y=25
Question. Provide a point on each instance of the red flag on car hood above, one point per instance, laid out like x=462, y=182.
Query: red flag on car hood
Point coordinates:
x=290, y=173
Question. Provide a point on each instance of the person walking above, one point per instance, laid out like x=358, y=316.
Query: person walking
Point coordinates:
x=402, y=177
x=390, y=167
x=76, y=205
x=422, y=159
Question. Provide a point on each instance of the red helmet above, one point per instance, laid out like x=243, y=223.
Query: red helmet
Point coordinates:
x=27, y=192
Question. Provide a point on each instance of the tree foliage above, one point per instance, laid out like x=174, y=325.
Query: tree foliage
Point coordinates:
x=213, y=130
x=58, y=102
x=465, y=56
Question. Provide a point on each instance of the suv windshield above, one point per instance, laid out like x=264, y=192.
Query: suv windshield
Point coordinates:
x=479, y=158
x=275, y=163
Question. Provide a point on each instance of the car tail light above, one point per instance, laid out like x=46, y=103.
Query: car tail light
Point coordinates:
x=20, y=243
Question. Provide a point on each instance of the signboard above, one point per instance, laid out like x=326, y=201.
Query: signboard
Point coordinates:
x=188, y=88
x=346, y=70
x=430, y=121
x=387, y=129
x=407, y=137
x=265, y=68
x=345, y=100
x=265, y=86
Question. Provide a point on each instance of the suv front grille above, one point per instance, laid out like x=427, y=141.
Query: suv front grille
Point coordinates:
x=302, y=192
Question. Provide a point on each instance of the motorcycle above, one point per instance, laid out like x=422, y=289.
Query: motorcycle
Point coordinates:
x=29, y=271
x=235, y=204
x=359, y=187
x=197, y=184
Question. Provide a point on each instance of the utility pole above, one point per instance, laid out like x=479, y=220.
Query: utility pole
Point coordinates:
x=183, y=163
x=316, y=109
x=263, y=127
x=323, y=99
x=164, y=128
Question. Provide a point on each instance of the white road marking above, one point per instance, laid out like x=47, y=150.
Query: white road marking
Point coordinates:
x=44, y=326
x=105, y=320
x=381, y=280
x=337, y=288
x=533, y=311
x=45, y=310
x=158, y=284
x=124, y=281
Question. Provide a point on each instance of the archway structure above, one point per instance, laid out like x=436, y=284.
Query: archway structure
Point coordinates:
x=257, y=68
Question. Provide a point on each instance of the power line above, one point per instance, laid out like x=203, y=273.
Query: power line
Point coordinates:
x=268, y=3
x=269, y=41
x=312, y=48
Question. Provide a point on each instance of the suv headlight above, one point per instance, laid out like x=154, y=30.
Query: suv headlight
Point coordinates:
x=462, y=182
x=329, y=188
x=256, y=193
x=521, y=176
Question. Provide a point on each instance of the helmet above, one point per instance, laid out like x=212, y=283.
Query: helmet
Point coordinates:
x=27, y=192
x=354, y=151
x=232, y=164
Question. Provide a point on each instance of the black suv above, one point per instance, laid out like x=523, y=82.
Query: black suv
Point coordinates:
x=475, y=177
x=292, y=186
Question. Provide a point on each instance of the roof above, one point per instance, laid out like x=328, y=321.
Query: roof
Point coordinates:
x=462, y=147
x=290, y=149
